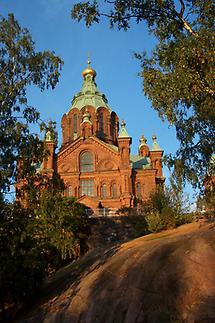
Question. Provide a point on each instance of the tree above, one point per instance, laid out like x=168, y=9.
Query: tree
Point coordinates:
x=20, y=67
x=178, y=77
x=60, y=222
x=35, y=242
x=23, y=262
x=167, y=207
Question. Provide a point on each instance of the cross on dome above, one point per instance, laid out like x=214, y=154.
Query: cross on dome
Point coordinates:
x=89, y=70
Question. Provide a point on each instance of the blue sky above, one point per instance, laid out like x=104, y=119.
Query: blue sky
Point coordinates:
x=112, y=57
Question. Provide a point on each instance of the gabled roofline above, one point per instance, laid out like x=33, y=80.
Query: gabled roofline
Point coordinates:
x=72, y=146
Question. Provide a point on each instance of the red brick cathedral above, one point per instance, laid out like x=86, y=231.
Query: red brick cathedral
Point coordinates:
x=94, y=159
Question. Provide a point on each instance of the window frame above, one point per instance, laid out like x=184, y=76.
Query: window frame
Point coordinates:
x=104, y=190
x=101, y=122
x=139, y=190
x=75, y=123
x=69, y=191
x=87, y=187
x=87, y=165
x=113, y=190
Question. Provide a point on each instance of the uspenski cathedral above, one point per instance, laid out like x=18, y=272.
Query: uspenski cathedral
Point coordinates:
x=94, y=159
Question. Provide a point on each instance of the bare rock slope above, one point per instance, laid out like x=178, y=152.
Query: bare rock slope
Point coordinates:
x=165, y=277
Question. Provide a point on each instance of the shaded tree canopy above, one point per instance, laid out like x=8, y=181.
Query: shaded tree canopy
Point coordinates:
x=178, y=77
x=20, y=67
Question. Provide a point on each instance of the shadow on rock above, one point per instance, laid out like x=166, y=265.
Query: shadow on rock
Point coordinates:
x=167, y=279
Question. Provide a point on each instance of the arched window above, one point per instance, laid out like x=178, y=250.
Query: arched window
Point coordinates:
x=75, y=123
x=113, y=190
x=87, y=187
x=101, y=122
x=69, y=191
x=104, y=190
x=113, y=126
x=86, y=162
x=138, y=190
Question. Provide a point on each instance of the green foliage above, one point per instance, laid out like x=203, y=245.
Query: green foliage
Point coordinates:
x=59, y=222
x=154, y=222
x=23, y=263
x=20, y=67
x=129, y=215
x=37, y=239
x=206, y=202
x=25, y=257
x=167, y=208
x=36, y=242
x=163, y=213
x=178, y=77
x=126, y=211
x=210, y=199
x=139, y=224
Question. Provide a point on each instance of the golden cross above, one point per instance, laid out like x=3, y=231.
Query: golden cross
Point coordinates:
x=88, y=61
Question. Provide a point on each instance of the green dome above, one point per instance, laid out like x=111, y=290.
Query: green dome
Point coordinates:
x=155, y=146
x=89, y=95
x=123, y=132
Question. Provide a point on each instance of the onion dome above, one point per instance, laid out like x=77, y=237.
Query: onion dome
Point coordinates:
x=123, y=132
x=143, y=141
x=89, y=71
x=50, y=136
x=143, y=147
x=89, y=94
x=155, y=146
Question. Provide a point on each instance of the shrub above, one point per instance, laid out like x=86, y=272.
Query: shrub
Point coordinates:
x=59, y=222
x=23, y=264
x=154, y=222
x=166, y=208
x=34, y=243
x=126, y=211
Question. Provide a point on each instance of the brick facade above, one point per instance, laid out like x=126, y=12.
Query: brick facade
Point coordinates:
x=94, y=160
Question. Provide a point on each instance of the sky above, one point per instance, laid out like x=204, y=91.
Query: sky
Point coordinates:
x=112, y=56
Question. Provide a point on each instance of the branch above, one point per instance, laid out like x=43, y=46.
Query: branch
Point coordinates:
x=180, y=16
x=182, y=8
x=186, y=25
x=112, y=16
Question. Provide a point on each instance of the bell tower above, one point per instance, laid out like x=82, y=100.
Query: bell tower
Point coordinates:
x=49, y=161
x=155, y=155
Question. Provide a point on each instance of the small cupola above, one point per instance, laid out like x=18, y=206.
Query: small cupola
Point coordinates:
x=123, y=132
x=155, y=146
x=50, y=135
x=143, y=147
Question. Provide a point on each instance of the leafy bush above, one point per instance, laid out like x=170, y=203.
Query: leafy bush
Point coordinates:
x=23, y=264
x=59, y=222
x=35, y=243
x=207, y=202
x=154, y=221
x=166, y=209
x=128, y=211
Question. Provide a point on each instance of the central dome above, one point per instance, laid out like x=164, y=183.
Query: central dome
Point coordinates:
x=89, y=94
x=89, y=71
